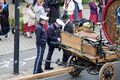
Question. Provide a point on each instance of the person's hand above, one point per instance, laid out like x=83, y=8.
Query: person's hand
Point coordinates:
x=58, y=39
x=47, y=9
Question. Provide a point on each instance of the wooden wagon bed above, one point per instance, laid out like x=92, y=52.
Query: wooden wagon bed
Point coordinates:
x=78, y=47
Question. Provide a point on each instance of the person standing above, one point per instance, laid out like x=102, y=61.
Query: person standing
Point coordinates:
x=29, y=21
x=53, y=9
x=4, y=22
x=93, y=11
x=39, y=9
x=68, y=27
x=53, y=39
x=78, y=10
x=101, y=6
x=5, y=8
x=41, y=39
x=69, y=7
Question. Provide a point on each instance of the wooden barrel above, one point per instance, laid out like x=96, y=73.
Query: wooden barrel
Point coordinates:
x=110, y=26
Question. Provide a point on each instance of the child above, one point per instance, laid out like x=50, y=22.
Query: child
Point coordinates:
x=93, y=12
x=29, y=21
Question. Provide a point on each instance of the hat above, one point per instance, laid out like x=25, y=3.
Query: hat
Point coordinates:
x=60, y=22
x=44, y=17
x=65, y=16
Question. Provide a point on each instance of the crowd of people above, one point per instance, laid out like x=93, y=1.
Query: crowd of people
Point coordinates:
x=44, y=18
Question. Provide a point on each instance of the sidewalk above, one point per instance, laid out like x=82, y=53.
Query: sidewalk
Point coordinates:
x=7, y=44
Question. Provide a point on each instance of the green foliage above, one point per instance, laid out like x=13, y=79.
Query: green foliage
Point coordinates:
x=85, y=1
x=12, y=21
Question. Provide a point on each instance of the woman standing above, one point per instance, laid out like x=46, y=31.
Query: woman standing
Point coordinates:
x=69, y=7
x=4, y=22
x=93, y=11
x=29, y=20
x=5, y=11
x=78, y=10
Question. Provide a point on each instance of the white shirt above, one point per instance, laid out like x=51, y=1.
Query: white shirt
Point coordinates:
x=79, y=2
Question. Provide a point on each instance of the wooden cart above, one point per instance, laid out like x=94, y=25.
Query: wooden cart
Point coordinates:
x=89, y=57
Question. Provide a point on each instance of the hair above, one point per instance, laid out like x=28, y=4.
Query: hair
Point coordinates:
x=40, y=1
x=27, y=5
x=4, y=1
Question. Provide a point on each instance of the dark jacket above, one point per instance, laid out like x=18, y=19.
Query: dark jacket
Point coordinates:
x=93, y=8
x=54, y=12
x=53, y=35
x=6, y=8
x=4, y=23
x=41, y=35
x=69, y=27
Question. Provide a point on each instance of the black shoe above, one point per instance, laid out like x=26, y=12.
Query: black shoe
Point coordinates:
x=6, y=36
x=38, y=72
x=50, y=68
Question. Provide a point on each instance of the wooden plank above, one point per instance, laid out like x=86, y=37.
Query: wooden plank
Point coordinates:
x=82, y=55
x=47, y=74
x=109, y=57
x=89, y=49
x=71, y=40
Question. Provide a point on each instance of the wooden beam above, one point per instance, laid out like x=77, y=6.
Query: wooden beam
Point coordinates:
x=47, y=74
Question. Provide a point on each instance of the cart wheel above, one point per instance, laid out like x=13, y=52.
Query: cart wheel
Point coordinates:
x=73, y=60
x=107, y=72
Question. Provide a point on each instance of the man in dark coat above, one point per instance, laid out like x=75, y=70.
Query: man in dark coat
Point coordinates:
x=54, y=9
x=41, y=39
x=53, y=39
x=68, y=27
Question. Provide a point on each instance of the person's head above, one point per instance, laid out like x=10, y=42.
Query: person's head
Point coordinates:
x=40, y=2
x=43, y=19
x=2, y=1
x=59, y=23
x=65, y=18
